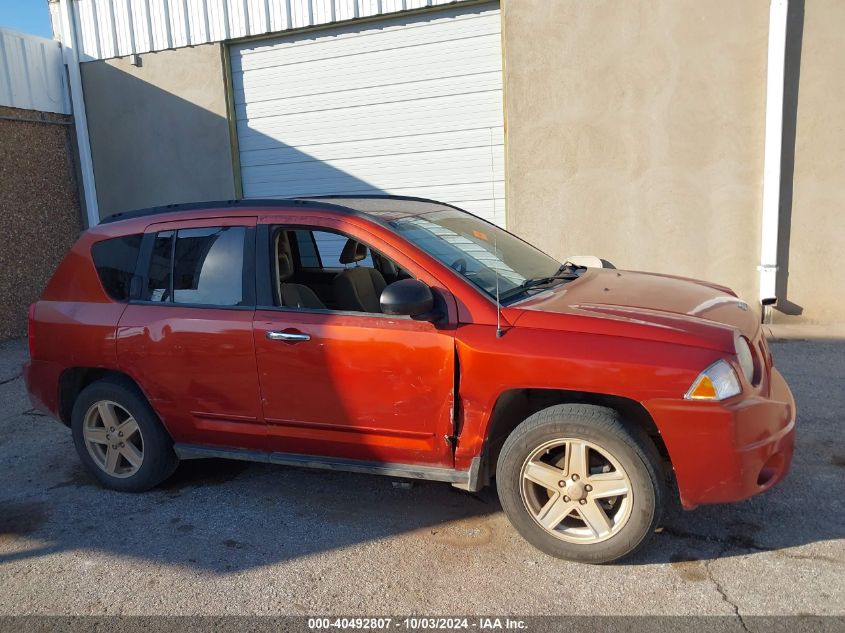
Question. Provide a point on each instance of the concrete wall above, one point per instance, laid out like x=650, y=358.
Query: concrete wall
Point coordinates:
x=812, y=279
x=159, y=132
x=635, y=132
x=39, y=208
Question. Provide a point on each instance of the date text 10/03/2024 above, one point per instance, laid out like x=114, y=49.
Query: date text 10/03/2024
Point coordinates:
x=418, y=623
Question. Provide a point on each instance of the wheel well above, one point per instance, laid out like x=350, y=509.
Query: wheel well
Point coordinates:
x=74, y=380
x=515, y=405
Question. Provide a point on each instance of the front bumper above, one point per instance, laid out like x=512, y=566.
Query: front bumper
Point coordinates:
x=725, y=452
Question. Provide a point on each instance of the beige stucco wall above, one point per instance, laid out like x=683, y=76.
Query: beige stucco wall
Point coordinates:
x=815, y=286
x=159, y=131
x=635, y=132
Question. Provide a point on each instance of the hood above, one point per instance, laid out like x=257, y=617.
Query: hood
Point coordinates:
x=641, y=305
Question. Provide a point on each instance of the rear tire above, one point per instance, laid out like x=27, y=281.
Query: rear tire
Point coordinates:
x=580, y=484
x=119, y=437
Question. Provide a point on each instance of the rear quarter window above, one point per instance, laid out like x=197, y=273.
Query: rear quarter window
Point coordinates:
x=115, y=261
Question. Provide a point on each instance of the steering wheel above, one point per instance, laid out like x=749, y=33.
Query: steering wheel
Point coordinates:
x=460, y=265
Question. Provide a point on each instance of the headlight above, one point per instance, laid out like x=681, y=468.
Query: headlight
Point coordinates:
x=717, y=382
x=745, y=357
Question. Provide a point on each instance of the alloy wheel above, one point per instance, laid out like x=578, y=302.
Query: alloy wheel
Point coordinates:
x=576, y=490
x=113, y=439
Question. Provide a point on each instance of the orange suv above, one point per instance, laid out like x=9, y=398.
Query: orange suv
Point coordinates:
x=408, y=338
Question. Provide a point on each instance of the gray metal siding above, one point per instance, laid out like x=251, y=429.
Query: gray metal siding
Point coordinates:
x=32, y=74
x=115, y=28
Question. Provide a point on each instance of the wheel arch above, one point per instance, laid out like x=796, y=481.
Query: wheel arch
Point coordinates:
x=74, y=379
x=515, y=405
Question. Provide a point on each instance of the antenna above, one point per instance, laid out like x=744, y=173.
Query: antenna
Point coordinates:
x=499, y=331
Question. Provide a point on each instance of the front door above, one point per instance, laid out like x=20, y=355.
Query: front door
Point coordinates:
x=353, y=384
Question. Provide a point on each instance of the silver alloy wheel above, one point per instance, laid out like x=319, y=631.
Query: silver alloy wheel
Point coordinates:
x=113, y=439
x=576, y=491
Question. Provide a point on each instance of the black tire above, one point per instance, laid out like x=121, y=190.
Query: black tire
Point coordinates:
x=604, y=428
x=159, y=459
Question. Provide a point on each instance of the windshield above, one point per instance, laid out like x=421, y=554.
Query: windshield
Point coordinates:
x=478, y=250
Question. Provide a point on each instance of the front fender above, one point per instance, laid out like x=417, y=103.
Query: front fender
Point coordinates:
x=526, y=358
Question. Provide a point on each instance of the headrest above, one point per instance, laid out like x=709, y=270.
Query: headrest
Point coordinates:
x=353, y=252
x=285, y=267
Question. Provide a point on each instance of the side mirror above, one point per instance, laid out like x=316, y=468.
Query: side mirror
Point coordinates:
x=409, y=297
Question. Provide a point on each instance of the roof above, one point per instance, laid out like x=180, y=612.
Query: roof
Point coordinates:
x=382, y=208
x=223, y=20
x=385, y=207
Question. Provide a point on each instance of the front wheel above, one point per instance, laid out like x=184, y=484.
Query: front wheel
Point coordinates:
x=579, y=484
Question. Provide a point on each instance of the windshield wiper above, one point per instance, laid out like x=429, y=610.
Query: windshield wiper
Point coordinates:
x=567, y=265
x=566, y=272
x=534, y=282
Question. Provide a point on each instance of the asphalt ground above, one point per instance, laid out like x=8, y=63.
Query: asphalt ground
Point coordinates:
x=237, y=538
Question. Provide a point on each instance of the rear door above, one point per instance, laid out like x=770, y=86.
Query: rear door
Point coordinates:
x=187, y=336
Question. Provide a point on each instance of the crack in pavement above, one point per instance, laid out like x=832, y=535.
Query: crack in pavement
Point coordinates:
x=739, y=543
x=12, y=379
x=724, y=595
x=813, y=557
x=736, y=543
x=727, y=542
x=21, y=414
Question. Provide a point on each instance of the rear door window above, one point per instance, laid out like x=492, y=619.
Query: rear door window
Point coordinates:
x=201, y=266
x=158, y=279
x=115, y=261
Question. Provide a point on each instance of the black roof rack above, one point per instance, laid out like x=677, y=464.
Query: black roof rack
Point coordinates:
x=314, y=202
x=268, y=203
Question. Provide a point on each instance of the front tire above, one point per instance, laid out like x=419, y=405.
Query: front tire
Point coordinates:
x=119, y=438
x=579, y=484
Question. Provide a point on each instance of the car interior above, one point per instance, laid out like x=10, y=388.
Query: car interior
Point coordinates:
x=324, y=270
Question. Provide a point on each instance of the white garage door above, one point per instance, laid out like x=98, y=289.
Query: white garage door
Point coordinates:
x=409, y=106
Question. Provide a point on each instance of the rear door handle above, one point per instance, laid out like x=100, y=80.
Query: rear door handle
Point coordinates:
x=291, y=337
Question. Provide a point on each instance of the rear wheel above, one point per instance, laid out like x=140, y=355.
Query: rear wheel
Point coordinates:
x=579, y=484
x=119, y=438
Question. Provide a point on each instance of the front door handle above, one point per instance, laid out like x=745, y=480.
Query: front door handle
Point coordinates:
x=290, y=337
